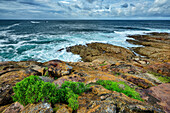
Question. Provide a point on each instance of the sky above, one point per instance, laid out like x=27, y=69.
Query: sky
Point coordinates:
x=85, y=9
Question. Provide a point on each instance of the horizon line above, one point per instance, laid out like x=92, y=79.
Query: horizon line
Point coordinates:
x=75, y=19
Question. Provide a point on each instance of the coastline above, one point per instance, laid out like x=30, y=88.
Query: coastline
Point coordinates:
x=148, y=74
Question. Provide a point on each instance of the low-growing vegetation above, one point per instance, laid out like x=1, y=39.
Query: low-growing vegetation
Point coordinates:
x=103, y=64
x=32, y=90
x=116, y=86
x=163, y=79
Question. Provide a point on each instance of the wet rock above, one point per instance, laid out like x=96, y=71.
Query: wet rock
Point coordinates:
x=14, y=108
x=38, y=108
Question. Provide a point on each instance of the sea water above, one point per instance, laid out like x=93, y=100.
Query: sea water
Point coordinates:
x=40, y=40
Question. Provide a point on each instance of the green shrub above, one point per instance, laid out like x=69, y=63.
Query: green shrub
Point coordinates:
x=71, y=90
x=32, y=89
x=114, y=86
x=76, y=87
x=69, y=97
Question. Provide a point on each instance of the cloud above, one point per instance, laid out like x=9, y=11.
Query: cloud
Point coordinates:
x=132, y=5
x=91, y=1
x=124, y=5
x=84, y=9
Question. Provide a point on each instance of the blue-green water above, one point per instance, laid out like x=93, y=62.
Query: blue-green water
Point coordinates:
x=40, y=39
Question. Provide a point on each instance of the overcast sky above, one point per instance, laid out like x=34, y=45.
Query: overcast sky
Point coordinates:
x=84, y=9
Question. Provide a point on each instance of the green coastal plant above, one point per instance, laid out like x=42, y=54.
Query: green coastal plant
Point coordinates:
x=76, y=87
x=71, y=92
x=32, y=90
x=115, y=86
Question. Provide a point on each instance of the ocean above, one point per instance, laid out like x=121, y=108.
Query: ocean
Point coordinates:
x=40, y=40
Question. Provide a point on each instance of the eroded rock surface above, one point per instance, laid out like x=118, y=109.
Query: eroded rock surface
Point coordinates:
x=106, y=52
x=100, y=100
x=156, y=45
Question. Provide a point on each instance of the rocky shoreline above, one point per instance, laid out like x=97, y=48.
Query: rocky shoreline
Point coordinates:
x=148, y=74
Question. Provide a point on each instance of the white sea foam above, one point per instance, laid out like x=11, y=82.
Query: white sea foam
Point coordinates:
x=34, y=22
x=17, y=24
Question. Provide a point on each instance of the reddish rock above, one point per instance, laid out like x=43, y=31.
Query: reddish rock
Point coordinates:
x=162, y=93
